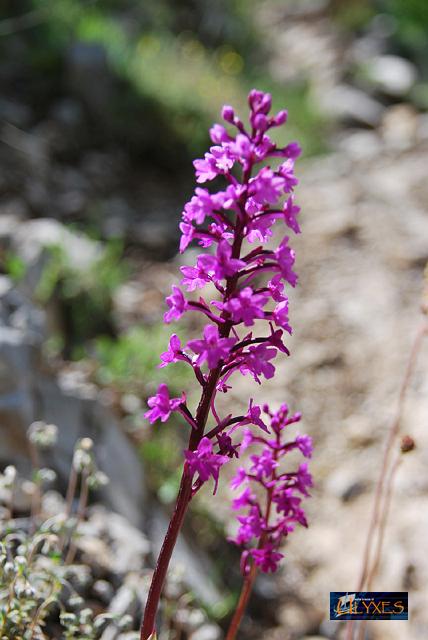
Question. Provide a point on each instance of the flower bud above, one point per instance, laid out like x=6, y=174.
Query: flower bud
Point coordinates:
x=260, y=102
x=81, y=460
x=46, y=476
x=20, y=562
x=97, y=480
x=42, y=435
x=218, y=134
x=407, y=444
x=228, y=113
x=280, y=118
x=260, y=122
x=29, y=591
x=86, y=444
x=9, y=569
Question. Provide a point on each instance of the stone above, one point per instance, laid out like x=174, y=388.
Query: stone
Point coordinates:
x=33, y=244
x=32, y=240
x=189, y=619
x=12, y=212
x=354, y=490
x=129, y=545
x=103, y=590
x=300, y=618
x=360, y=145
x=16, y=113
x=33, y=148
x=78, y=416
x=68, y=112
x=125, y=602
x=6, y=285
x=345, y=484
x=351, y=105
x=156, y=234
x=29, y=392
x=195, y=566
x=400, y=127
x=206, y=632
x=391, y=75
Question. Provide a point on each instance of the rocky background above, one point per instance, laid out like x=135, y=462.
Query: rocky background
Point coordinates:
x=95, y=158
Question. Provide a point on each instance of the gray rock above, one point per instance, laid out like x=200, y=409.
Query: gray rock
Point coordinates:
x=33, y=149
x=351, y=105
x=189, y=620
x=6, y=285
x=117, y=216
x=194, y=565
x=400, y=127
x=12, y=213
x=354, y=490
x=31, y=243
x=391, y=75
x=103, y=590
x=360, y=145
x=68, y=112
x=127, y=601
x=29, y=392
x=129, y=545
x=345, y=484
x=15, y=113
x=156, y=233
x=37, y=195
x=78, y=414
x=328, y=628
x=207, y=632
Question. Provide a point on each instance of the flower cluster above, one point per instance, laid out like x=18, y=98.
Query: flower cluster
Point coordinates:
x=248, y=318
x=271, y=497
x=238, y=284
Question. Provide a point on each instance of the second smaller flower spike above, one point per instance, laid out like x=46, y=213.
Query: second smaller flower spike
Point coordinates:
x=273, y=508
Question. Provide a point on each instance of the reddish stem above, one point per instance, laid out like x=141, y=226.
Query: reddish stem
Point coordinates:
x=249, y=579
x=159, y=575
x=183, y=498
x=247, y=588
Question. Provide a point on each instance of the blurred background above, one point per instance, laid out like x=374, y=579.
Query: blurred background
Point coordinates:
x=103, y=106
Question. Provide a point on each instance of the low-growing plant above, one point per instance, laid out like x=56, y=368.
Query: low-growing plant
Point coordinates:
x=14, y=266
x=39, y=581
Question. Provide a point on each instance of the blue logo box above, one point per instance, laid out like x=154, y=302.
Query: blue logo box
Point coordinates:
x=369, y=605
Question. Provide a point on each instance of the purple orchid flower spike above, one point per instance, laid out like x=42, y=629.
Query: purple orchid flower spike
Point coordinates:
x=239, y=280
